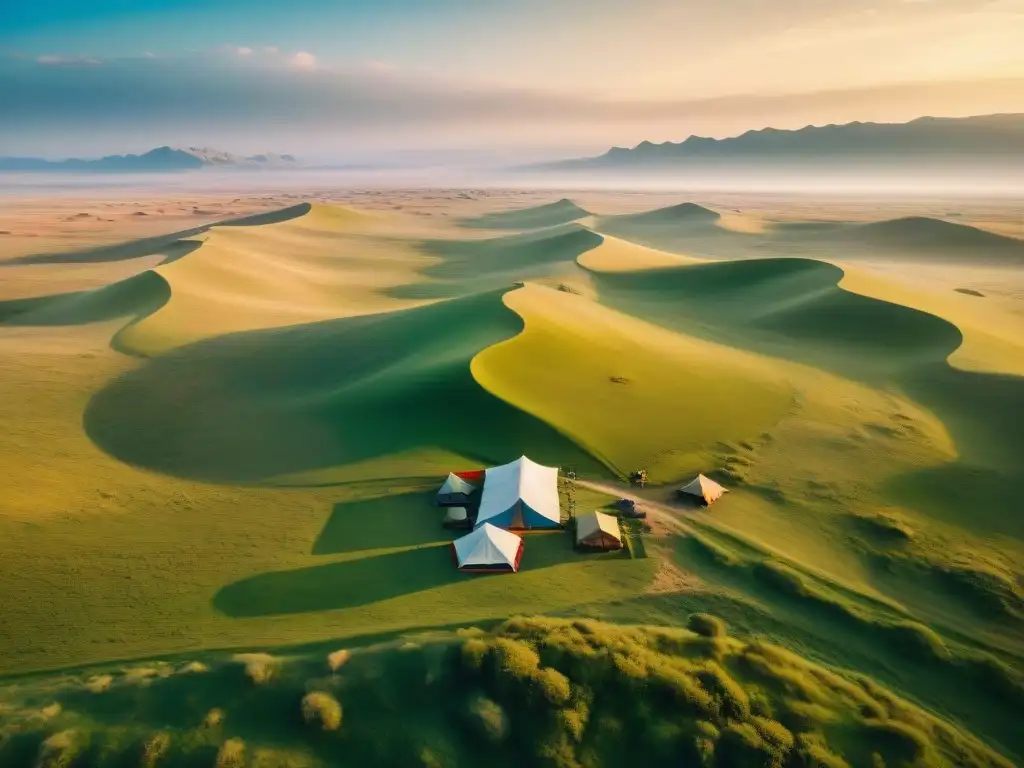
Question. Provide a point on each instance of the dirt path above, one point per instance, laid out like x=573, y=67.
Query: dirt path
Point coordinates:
x=661, y=517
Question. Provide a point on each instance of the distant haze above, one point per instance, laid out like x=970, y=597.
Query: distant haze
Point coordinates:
x=346, y=81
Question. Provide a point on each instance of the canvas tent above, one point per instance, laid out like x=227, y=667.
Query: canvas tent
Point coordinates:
x=520, y=495
x=703, y=488
x=596, y=530
x=488, y=549
x=455, y=491
x=456, y=517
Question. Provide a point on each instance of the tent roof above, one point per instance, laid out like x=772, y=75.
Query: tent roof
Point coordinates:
x=455, y=484
x=704, y=487
x=594, y=522
x=487, y=545
x=520, y=480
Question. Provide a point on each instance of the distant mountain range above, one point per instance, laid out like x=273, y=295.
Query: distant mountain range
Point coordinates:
x=931, y=139
x=161, y=159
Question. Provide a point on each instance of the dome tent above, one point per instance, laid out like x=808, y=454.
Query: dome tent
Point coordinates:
x=488, y=549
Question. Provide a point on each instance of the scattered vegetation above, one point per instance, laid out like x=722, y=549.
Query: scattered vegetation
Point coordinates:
x=532, y=691
x=322, y=710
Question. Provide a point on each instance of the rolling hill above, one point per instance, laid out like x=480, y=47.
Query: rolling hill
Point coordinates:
x=234, y=451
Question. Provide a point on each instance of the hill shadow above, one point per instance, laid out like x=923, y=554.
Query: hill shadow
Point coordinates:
x=335, y=586
x=536, y=217
x=483, y=265
x=140, y=295
x=401, y=520
x=169, y=245
x=173, y=245
x=251, y=406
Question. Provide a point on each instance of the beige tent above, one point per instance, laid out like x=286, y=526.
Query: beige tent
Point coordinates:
x=703, y=488
x=597, y=530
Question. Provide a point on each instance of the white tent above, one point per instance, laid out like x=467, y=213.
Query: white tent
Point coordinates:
x=456, y=515
x=454, y=491
x=488, y=549
x=520, y=495
x=703, y=488
x=598, y=531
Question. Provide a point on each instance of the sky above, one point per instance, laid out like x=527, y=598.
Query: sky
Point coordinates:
x=343, y=79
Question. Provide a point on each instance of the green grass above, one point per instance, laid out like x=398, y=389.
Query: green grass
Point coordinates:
x=263, y=479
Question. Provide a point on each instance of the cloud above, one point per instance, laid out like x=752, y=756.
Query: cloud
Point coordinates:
x=68, y=61
x=243, y=51
x=186, y=100
x=304, y=60
x=271, y=50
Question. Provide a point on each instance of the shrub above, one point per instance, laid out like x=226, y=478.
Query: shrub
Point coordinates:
x=61, y=749
x=514, y=659
x=706, y=625
x=338, y=659
x=812, y=753
x=488, y=719
x=729, y=697
x=259, y=667
x=552, y=685
x=773, y=733
x=213, y=718
x=231, y=754
x=740, y=746
x=473, y=653
x=321, y=709
x=99, y=683
x=155, y=748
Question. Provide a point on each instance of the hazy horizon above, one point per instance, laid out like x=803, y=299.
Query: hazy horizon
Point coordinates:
x=341, y=81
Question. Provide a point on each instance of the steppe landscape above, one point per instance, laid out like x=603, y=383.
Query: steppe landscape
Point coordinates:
x=224, y=418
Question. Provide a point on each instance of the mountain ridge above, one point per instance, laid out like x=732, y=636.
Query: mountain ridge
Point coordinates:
x=160, y=159
x=925, y=138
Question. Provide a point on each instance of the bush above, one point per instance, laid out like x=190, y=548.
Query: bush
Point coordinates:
x=706, y=625
x=213, y=718
x=155, y=748
x=321, y=709
x=231, y=754
x=553, y=686
x=488, y=719
x=729, y=697
x=61, y=749
x=260, y=668
x=811, y=753
x=514, y=659
x=473, y=653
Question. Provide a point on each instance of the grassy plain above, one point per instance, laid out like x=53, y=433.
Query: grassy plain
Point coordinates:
x=227, y=440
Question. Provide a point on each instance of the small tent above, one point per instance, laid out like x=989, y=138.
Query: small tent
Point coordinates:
x=520, y=495
x=488, y=549
x=456, y=517
x=455, y=491
x=596, y=530
x=703, y=488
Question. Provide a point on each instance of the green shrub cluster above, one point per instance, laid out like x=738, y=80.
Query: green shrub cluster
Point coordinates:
x=532, y=691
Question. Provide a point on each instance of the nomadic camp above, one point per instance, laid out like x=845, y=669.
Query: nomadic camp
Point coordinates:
x=488, y=549
x=596, y=530
x=521, y=495
x=702, y=488
x=455, y=491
